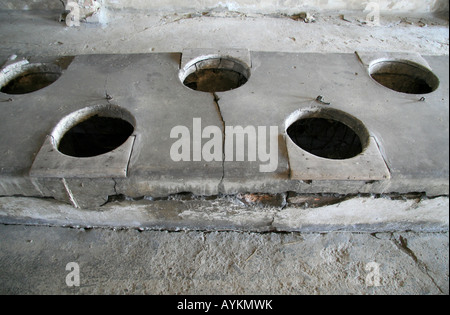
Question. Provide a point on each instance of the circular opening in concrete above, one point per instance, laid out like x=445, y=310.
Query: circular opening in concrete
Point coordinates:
x=93, y=131
x=29, y=78
x=215, y=74
x=329, y=134
x=404, y=76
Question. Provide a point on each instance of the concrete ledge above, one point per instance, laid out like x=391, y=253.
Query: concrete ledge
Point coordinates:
x=359, y=214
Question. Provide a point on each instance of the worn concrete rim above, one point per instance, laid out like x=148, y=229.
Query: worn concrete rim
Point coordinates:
x=20, y=69
x=421, y=71
x=205, y=62
x=79, y=116
x=348, y=120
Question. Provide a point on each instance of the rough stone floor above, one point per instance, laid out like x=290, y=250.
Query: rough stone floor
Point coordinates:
x=33, y=259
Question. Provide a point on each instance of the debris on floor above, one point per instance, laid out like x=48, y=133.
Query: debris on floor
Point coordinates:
x=343, y=18
x=76, y=11
x=304, y=16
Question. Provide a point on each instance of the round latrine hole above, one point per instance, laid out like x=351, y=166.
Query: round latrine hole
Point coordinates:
x=93, y=131
x=30, y=78
x=215, y=74
x=326, y=138
x=404, y=76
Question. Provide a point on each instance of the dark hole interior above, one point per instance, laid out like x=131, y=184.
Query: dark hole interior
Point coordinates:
x=405, y=77
x=325, y=138
x=215, y=80
x=403, y=83
x=95, y=136
x=30, y=82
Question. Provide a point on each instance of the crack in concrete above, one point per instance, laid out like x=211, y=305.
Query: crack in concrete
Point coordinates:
x=115, y=187
x=402, y=244
x=277, y=201
x=271, y=228
x=221, y=188
x=107, y=96
x=70, y=194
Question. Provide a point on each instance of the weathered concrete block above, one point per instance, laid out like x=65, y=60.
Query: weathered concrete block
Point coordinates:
x=89, y=193
x=147, y=91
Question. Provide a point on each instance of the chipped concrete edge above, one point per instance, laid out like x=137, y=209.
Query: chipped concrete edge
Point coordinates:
x=359, y=214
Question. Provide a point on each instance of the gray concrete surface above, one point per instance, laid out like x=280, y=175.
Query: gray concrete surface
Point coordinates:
x=33, y=261
x=146, y=86
x=299, y=77
x=128, y=33
x=245, y=212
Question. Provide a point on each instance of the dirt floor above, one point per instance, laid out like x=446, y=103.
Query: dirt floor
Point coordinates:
x=30, y=32
x=33, y=259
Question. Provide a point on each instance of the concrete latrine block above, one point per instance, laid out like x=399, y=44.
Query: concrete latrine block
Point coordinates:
x=407, y=73
x=105, y=128
x=327, y=144
x=93, y=142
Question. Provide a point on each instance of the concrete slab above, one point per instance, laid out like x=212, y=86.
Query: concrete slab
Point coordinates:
x=402, y=131
x=390, y=117
x=304, y=165
x=51, y=163
x=151, y=262
x=87, y=83
x=368, y=165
